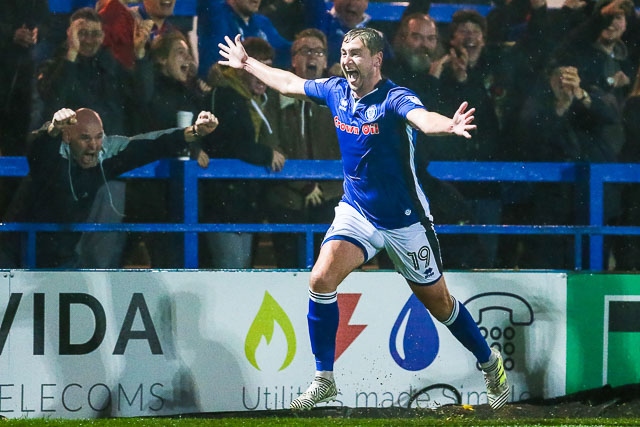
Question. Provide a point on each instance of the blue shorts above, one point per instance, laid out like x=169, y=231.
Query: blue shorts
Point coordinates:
x=414, y=250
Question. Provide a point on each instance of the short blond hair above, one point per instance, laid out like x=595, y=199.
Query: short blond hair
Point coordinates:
x=371, y=38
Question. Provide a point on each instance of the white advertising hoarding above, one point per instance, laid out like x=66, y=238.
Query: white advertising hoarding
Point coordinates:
x=132, y=343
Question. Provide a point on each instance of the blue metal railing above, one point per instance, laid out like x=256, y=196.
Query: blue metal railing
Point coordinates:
x=186, y=175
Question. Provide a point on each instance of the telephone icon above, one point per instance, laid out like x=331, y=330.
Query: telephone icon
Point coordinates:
x=483, y=308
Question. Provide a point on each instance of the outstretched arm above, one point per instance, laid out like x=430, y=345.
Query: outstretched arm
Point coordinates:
x=432, y=123
x=283, y=81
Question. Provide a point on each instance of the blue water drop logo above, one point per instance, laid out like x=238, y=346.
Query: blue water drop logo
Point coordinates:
x=414, y=341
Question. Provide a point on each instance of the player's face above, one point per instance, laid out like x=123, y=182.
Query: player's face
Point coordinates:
x=85, y=139
x=310, y=58
x=360, y=67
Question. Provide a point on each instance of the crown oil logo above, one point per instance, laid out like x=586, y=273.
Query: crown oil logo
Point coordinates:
x=263, y=325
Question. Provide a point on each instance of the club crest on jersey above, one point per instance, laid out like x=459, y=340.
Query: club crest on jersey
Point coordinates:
x=371, y=113
x=343, y=104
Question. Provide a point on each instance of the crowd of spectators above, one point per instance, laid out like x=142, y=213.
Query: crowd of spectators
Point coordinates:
x=548, y=84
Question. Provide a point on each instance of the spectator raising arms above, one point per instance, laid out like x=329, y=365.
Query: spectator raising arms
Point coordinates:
x=68, y=167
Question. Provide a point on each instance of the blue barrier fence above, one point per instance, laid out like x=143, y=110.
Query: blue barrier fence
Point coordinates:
x=186, y=174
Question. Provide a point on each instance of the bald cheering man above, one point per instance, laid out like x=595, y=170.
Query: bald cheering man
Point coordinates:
x=68, y=166
x=383, y=206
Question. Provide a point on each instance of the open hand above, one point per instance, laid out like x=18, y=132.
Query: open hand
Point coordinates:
x=461, y=122
x=314, y=198
x=141, y=35
x=73, y=39
x=234, y=52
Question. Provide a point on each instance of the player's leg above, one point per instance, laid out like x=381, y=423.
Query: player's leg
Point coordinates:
x=347, y=245
x=454, y=315
x=337, y=259
x=415, y=252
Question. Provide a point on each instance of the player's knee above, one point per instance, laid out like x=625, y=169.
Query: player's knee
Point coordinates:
x=322, y=282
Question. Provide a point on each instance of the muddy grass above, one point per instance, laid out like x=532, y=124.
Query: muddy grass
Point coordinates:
x=605, y=402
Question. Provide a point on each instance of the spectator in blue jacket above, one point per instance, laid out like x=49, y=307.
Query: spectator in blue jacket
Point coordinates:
x=217, y=19
x=336, y=22
x=343, y=16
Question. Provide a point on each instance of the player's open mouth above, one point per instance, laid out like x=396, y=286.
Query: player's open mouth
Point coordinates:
x=352, y=75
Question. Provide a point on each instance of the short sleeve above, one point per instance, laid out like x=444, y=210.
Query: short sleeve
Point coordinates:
x=403, y=100
x=319, y=90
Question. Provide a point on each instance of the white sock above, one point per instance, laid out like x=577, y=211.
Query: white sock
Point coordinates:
x=325, y=374
x=489, y=363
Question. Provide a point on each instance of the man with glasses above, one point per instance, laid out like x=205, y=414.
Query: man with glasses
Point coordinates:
x=301, y=129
